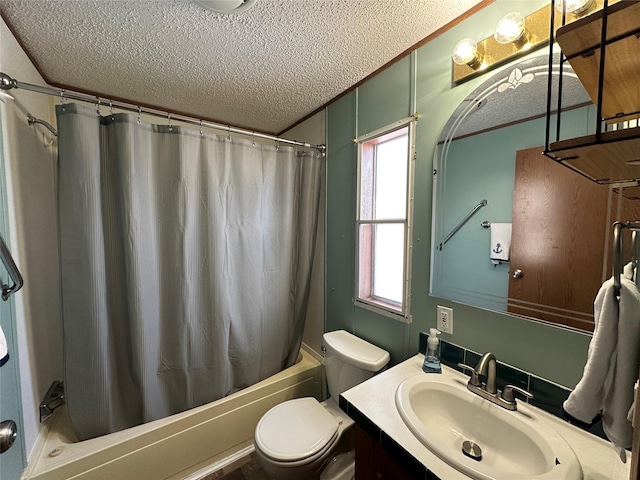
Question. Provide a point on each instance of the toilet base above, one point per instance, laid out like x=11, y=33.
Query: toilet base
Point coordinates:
x=340, y=467
x=280, y=471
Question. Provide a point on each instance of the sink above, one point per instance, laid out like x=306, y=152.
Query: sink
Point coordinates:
x=479, y=438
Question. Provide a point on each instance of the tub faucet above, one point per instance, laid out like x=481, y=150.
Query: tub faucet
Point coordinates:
x=486, y=367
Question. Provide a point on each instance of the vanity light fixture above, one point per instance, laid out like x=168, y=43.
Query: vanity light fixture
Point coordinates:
x=514, y=35
x=466, y=53
x=511, y=29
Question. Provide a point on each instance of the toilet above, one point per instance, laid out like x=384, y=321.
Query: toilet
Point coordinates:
x=306, y=439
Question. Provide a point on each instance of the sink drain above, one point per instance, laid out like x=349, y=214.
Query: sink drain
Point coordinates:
x=472, y=450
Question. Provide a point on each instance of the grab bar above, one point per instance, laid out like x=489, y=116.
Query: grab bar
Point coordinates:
x=12, y=269
x=462, y=222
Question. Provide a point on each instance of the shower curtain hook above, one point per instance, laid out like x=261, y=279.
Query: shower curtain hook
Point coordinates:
x=139, y=113
x=253, y=137
x=277, y=145
x=229, y=133
x=169, y=116
x=201, y=134
x=64, y=109
x=98, y=106
x=111, y=109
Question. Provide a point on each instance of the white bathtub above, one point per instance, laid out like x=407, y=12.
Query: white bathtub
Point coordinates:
x=176, y=446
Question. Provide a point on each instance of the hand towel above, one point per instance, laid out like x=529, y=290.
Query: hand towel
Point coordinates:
x=619, y=397
x=500, y=242
x=4, y=352
x=632, y=411
x=629, y=271
x=617, y=328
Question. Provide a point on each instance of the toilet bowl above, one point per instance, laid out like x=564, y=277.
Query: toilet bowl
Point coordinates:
x=306, y=439
x=298, y=438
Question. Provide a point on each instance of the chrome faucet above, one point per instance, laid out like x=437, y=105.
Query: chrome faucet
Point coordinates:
x=486, y=367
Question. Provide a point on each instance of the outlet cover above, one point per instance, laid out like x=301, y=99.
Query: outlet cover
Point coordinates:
x=445, y=319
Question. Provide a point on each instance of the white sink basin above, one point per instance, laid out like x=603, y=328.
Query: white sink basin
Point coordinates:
x=443, y=414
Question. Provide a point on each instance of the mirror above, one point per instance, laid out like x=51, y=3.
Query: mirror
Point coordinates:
x=491, y=150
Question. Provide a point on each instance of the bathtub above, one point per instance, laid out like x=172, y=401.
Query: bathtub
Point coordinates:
x=174, y=447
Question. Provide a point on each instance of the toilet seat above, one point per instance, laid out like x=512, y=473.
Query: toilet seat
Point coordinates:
x=296, y=431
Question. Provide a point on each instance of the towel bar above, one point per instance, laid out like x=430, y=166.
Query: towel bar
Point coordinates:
x=617, y=252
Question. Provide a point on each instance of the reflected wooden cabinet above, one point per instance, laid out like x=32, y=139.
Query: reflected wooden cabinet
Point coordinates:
x=373, y=463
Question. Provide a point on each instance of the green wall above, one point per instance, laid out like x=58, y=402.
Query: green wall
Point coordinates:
x=424, y=79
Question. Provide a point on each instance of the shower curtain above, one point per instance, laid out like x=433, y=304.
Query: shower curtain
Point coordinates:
x=185, y=265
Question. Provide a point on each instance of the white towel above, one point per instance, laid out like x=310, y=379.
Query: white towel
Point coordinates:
x=615, y=339
x=632, y=411
x=4, y=352
x=500, y=242
x=630, y=271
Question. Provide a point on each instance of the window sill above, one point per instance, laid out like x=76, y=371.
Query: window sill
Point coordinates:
x=383, y=310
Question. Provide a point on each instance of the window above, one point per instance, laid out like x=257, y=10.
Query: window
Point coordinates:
x=385, y=191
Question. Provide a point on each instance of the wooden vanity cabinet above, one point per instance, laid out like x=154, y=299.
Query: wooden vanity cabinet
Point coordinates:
x=374, y=463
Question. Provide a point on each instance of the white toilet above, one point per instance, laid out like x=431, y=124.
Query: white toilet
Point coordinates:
x=306, y=439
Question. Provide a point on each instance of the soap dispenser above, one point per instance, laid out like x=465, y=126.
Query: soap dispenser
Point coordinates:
x=432, y=358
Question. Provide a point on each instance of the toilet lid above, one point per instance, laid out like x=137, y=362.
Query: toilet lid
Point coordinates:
x=295, y=429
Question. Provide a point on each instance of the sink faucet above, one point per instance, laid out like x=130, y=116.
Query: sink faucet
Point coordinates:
x=486, y=367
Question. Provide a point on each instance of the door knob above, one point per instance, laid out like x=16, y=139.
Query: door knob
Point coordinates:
x=8, y=434
x=518, y=273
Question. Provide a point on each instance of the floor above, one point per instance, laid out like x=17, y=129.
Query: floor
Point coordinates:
x=247, y=468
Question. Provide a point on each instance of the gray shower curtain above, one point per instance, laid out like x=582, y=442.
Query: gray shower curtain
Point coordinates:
x=185, y=265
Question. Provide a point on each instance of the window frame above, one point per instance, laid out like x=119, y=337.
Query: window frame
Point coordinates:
x=383, y=306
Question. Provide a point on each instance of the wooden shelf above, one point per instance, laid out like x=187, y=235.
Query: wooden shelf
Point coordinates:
x=604, y=161
x=580, y=43
x=615, y=156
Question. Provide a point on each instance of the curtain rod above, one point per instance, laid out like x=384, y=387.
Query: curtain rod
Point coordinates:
x=8, y=83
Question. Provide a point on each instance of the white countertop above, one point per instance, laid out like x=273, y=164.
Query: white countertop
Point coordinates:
x=375, y=398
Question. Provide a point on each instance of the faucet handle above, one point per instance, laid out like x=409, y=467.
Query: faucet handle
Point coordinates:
x=475, y=378
x=507, y=393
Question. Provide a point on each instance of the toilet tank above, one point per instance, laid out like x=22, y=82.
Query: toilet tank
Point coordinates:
x=350, y=360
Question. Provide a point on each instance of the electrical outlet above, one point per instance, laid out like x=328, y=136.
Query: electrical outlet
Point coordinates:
x=445, y=319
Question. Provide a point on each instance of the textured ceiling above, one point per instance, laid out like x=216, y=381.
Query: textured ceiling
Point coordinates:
x=262, y=69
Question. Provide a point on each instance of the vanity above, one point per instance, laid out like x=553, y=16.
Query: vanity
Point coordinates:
x=388, y=446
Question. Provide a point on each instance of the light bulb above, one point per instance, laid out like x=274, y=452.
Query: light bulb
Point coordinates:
x=510, y=28
x=466, y=53
x=576, y=7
